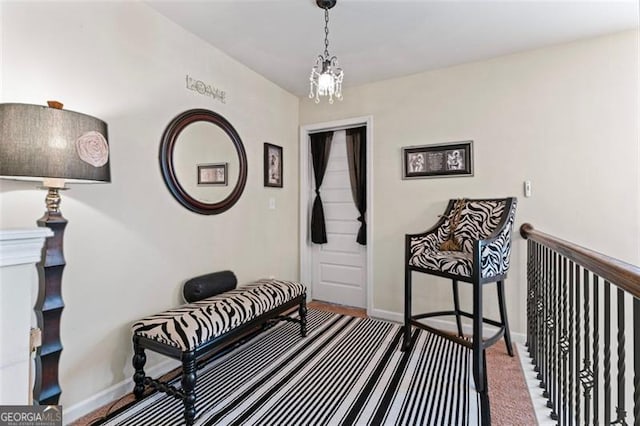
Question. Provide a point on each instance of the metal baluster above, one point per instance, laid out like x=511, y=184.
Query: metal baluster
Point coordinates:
x=577, y=365
x=636, y=362
x=536, y=313
x=547, y=340
x=540, y=316
x=596, y=350
x=607, y=353
x=542, y=375
x=620, y=409
x=535, y=303
x=564, y=344
x=534, y=306
x=585, y=374
x=551, y=311
x=530, y=287
x=553, y=328
x=572, y=343
x=559, y=337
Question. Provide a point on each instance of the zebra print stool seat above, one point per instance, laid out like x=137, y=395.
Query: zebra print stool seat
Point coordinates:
x=452, y=262
x=196, y=328
x=470, y=243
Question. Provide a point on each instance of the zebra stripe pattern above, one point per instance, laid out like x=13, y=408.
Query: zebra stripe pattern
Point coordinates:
x=347, y=371
x=495, y=256
x=478, y=220
x=189, y=326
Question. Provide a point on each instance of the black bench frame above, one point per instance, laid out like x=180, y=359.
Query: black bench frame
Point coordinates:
x=189, y=358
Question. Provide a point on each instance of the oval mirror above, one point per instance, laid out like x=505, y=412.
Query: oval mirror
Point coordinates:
x=203, y=161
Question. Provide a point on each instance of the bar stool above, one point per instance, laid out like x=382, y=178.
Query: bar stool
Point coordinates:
x=470, y=243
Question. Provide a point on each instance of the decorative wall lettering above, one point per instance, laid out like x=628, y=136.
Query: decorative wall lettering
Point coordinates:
x=206, y=89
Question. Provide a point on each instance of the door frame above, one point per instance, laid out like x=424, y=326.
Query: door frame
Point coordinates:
x=306, y=202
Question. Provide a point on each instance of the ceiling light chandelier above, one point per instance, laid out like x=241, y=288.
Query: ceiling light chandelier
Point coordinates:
x=326, y=74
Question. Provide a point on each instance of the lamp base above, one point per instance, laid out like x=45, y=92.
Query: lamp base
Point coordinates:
x=49, y=305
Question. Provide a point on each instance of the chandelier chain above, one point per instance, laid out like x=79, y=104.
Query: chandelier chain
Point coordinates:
x=326, y=33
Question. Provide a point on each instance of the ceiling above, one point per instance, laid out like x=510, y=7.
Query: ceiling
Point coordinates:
x=376, y=40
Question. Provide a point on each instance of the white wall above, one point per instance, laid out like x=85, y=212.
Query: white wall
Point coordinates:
x=564, y=117
x=129, y=245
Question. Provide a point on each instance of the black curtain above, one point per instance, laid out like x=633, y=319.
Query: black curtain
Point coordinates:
x=320, y=148
x=357, y=159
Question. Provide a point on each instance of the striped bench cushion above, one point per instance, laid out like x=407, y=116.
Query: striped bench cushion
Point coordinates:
x=189, y=326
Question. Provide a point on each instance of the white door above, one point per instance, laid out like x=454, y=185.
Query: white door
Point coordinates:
x=339, y=266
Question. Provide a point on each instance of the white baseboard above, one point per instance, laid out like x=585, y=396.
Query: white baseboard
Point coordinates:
x=386, y=315
x=114, y=392
x=538, y=401
x=439, y=323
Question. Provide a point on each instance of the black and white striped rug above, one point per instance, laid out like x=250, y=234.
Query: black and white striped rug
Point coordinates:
x=347, y=371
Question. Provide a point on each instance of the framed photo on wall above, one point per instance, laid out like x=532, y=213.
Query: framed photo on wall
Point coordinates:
x=449, y=159
x=212, y=174
x=272, y=165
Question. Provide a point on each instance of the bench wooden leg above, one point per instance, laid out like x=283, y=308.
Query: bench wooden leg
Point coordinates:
x=302, y=312
x=139, y=359
x=189, y=386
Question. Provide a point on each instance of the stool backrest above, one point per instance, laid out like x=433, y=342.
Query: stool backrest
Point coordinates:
x=478, y=220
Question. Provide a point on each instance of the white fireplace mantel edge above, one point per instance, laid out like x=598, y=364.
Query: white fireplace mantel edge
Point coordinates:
x=21, y=246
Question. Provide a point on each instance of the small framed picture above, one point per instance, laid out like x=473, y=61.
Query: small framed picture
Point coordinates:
x=212, y=174
x=272, y=165
x=442, y=160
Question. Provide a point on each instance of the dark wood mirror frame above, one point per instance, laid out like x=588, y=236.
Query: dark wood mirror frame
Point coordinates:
x=167, y=145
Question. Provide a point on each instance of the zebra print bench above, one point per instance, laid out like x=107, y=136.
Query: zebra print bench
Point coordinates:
x=191, y=330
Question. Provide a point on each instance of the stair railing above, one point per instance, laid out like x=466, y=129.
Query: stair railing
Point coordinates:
x=577, y=301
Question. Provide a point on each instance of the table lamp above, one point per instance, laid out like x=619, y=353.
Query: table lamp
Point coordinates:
x=52, y=146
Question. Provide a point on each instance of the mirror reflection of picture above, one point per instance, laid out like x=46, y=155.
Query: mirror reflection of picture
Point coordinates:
x=212, y=174
x=272, y=165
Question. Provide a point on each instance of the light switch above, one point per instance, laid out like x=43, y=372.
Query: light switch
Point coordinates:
x=527, y=188
x=272, y=203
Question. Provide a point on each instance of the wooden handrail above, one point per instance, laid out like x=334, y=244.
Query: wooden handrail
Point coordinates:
x=621, y=274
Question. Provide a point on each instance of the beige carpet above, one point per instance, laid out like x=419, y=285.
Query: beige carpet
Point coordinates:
x=510, y=400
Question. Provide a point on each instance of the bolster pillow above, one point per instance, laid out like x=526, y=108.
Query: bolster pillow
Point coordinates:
x=208, y=285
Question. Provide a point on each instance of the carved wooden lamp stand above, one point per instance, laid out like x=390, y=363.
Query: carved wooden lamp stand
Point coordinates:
x=53, y=146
